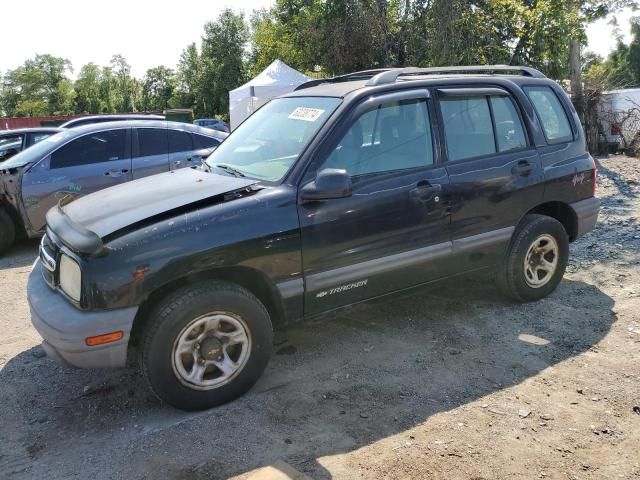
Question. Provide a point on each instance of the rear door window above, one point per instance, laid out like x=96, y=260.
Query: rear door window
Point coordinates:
x=509, y=129
x=96, y=147
x=179, y=141
x=468, y=127
x=475, y=126
x=551, y=114
x=152, y=141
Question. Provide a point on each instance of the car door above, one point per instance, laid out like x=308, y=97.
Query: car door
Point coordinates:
x=84, y=165
x=494, y=171
x=150, y=151
x=392, y=232
x=181, y=152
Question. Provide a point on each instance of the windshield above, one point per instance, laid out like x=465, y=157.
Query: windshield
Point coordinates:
x=270, y=141
x=37, y=151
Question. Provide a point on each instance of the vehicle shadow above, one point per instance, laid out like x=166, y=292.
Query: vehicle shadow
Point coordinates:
x=333, y=386
x=22, y=254
x=624, y=189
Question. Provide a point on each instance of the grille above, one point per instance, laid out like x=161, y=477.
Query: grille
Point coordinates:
x=48, y=258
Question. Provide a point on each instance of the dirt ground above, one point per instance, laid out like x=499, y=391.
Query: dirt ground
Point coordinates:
x=452, y=382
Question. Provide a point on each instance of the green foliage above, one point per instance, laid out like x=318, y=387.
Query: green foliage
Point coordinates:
x=222, y=61
x=88, y=94
x=329, y=37
x=157, y=88
x=126, y=89
x=38, y=87
x=621, y=69
x=346, y=35
x=189, y=80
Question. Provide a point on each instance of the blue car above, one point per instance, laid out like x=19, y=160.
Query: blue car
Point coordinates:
x=82, y=160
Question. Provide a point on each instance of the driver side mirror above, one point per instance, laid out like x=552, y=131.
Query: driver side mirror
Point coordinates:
x=329, y=183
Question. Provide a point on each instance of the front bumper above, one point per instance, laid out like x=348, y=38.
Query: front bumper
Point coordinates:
x=64, y=328
x=586, y=214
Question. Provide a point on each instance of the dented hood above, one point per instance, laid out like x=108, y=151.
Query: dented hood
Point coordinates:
x=84, y=222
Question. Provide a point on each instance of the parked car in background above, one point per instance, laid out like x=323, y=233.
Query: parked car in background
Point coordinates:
x=77, y=122
x=85, y=159
x=213, y=123
x=14, y=141
x=347, y=189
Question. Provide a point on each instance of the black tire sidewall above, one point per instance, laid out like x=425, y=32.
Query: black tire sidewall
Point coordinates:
x=169, y=319
x=7, y=230
x=532, y=227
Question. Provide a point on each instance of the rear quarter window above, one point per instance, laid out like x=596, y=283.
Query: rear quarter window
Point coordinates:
x=551, y=114
x=200, y=141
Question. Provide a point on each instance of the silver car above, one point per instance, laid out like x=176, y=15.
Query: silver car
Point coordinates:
x=85, y=159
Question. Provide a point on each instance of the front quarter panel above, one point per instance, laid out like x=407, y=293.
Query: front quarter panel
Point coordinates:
x=258, y=232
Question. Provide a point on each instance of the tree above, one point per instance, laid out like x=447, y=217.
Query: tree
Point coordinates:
x=126, y=89
x=38, y=87
x=347, y=35
x=188, y=92
x=634, y=51
x=222, y=61
x=157, y=88
x=88, y=95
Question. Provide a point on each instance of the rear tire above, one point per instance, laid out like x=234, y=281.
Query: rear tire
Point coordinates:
x=536, y=259
x=206, y=344
x=7, y=231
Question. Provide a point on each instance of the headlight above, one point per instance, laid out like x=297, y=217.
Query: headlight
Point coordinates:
x=70, y=277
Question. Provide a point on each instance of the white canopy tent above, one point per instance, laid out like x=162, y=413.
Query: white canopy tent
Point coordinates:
x=277, y=79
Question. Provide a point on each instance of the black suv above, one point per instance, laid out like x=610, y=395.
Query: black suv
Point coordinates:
x=347, y=189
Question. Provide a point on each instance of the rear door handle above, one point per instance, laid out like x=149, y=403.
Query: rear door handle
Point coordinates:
x=424, y=191
x=523, y=168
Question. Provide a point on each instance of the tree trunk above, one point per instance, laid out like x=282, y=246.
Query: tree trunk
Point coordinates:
x=576, y=78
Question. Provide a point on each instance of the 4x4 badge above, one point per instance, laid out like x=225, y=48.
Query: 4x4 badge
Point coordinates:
x=342, y=288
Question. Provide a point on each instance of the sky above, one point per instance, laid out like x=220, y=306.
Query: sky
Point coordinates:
x=147, y=32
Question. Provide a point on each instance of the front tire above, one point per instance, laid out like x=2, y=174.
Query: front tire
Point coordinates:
x=7, y=231
x=206, y=344
x=536, y=259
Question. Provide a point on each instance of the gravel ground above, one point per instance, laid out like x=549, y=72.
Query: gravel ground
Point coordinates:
x=450, y=382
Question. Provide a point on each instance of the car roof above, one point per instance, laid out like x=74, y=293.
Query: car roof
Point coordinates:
x=114, y=116
x=116, y=124
x=400, y=78
x=30, y=130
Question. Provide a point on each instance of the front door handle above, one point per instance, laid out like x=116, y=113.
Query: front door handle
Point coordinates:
x=425, y=191
x=523, y=168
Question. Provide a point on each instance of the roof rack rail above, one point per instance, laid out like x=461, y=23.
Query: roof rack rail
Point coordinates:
x=381, y=76
x=392, y=75
x=361, y=75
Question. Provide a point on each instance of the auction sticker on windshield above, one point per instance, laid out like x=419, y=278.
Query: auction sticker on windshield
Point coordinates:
x=306, y=114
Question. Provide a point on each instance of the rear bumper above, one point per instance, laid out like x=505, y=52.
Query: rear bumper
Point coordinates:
x=64, y=328
x=586, y=214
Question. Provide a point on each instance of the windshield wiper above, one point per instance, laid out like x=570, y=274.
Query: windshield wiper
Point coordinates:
x=230, y=169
